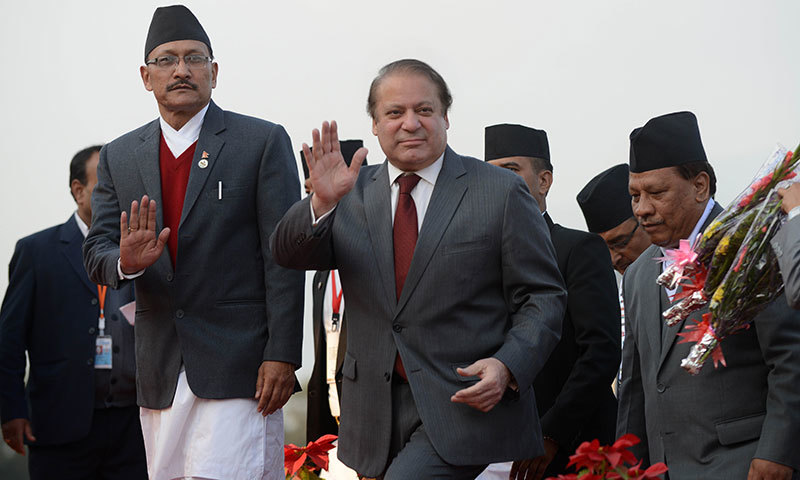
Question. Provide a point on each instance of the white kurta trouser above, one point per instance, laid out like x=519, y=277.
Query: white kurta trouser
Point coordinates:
x=212, y=439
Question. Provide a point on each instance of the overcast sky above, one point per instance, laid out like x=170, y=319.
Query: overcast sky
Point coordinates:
x=587, y=72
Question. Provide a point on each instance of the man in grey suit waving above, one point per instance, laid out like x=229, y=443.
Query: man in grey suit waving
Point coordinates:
x=218, y=323
x=458, y=299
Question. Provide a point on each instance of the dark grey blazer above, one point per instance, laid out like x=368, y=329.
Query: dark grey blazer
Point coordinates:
x=226, y=306
x=786, y=245
x=483, y=282
x=713, y=424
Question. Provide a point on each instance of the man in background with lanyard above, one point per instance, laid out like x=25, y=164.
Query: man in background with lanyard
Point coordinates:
x=78, y=412
x=330, y=338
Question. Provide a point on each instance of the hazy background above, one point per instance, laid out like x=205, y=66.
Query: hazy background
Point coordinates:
x=587, y=72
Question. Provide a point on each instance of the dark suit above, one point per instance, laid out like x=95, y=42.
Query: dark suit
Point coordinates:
x=51, y=311
x=482, y=282
x=786, y=245
x=573, y=390
x=226, y=306
x=319, y=420
x=710, y=425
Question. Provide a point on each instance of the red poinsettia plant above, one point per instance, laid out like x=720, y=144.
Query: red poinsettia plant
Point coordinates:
x=596, y=462
x=305, y=463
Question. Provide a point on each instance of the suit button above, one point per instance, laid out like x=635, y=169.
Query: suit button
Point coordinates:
x=397, y=327
x=91, y=330
x=312, y=393
x=113, y=380
x=179, y=313
x=90, y=361
x=94, y=301
x=387, y=376
x=116, y=349
x=661, y=388
x=110, y=398
x=169, y=277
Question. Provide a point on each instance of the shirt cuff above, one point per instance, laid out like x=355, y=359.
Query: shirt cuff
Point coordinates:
x=123, y=276
x=314, y=219
x=793, y=213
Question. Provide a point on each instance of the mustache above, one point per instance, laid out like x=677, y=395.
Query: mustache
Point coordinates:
x=181, y=83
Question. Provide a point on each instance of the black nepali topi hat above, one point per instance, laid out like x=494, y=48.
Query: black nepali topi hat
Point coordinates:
x=173, y=23
x=508, y=140
x=348, y=148
x=666, y=141
x=605, y=200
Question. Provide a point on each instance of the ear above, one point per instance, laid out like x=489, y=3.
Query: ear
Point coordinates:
x=214, y=71
x=446, y=122
x=374, y=127
x=702, y=187
x=145, y=73
x=545, y=182
x=76, y=188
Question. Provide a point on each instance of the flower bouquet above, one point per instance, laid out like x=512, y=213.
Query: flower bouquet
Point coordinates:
x=731, y=267
x=305, y=463
x=595, y=462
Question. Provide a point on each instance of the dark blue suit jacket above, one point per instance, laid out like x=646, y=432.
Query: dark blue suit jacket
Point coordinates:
x=51, y=309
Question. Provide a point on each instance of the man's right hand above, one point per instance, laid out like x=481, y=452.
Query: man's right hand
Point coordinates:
x=13, y=431
x=138, y=245
x=331, y=177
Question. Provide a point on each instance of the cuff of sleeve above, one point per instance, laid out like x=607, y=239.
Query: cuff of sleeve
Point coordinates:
x=314, y=219
x=793, y=213
x=123, y=276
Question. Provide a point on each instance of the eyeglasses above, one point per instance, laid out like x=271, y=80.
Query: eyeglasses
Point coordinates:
x=171, y=61
x=624, y=241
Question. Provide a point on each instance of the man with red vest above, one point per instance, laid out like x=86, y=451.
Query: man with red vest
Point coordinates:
x=218, y=323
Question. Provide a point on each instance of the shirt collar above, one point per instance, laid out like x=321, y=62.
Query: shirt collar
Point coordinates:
x=187, y=135
x=81, y=224
x=429, y=173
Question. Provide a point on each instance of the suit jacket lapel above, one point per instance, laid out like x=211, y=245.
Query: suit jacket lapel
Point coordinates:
x=147, y=158
x=210, y=143
x=377, y=208
x=672, y=332
x=446, y=197
x=71, y=241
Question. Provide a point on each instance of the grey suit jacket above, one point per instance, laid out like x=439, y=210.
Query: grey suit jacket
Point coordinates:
x=226, y=306
x=711, y=425
x=483, y=282
x=786, y=245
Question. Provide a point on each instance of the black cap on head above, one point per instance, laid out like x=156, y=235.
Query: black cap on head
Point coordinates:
x=174, y=23
x=507, y=140
x=605, y=200
x=666, y=141
x=348, y=148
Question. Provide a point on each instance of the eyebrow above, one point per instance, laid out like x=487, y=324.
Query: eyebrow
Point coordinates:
x=509, y=164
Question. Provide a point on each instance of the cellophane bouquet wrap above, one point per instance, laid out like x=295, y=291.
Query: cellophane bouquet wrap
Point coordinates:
x=731, y=266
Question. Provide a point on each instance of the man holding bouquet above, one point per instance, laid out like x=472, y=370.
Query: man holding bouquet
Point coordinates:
x=787, y=244
x=738, y=421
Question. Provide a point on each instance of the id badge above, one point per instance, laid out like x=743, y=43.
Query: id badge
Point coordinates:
x=102, y=354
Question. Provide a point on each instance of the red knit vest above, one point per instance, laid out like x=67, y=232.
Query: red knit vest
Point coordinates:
x=174, y=179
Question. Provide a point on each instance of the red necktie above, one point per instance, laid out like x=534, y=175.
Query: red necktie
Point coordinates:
x=405, y=239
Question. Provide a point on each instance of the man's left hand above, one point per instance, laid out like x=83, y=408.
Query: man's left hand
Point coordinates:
x=791, y=196
x=274, y=386
x=761, y=469
x=534, y=468
x=485, y=394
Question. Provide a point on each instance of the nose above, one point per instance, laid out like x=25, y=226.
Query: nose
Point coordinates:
x=642, y=207
x=181, y=69
x=411, y=121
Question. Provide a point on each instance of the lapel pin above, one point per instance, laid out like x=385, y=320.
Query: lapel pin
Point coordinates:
x=203, y=163
x=204, y=155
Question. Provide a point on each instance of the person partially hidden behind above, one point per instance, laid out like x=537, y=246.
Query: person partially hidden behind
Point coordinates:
x=786, y=244
x=78, y=412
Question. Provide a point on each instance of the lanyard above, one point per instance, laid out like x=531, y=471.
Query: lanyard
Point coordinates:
x=101, y=295
x=336, y=302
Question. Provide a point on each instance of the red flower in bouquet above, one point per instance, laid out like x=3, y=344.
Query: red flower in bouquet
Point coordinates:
x=306, y=460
